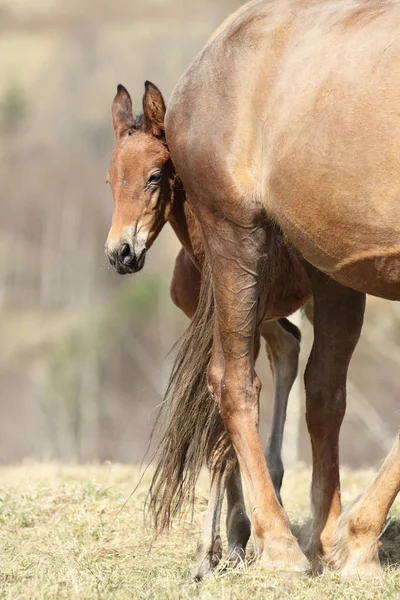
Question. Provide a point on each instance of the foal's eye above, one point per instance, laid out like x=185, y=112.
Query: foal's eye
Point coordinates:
x=154, y=178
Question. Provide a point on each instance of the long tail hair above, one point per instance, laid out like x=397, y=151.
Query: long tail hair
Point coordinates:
x=194, y=430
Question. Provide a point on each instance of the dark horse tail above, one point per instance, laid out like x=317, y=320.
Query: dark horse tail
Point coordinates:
x=194, y=431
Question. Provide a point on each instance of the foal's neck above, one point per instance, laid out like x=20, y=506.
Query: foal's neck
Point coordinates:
x=184, y=222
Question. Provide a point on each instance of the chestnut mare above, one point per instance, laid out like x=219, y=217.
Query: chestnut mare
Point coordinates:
x=147, y=194
x=291, y=112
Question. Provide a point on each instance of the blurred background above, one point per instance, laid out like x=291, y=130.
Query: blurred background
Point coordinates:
x=83, y=351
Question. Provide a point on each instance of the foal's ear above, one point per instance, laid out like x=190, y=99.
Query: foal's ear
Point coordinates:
x=153, y=110
x=122, y=114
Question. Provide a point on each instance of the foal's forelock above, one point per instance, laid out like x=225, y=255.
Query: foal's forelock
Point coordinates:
x=137, y=125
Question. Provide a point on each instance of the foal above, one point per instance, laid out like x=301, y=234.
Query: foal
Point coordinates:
x=147, y=194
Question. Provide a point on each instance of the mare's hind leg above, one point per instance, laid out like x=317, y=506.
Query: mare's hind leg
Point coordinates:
x=185, y=293
x=338, y=318
x=282, y=340
x=237, y=257
x=283, y=345
x=360, y=526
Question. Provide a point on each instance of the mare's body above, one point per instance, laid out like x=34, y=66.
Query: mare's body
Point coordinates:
x=289, y=118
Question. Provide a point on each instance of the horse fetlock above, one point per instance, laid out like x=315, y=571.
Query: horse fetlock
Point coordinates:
x=362, y=564
x=358, y=557
x=356, y=545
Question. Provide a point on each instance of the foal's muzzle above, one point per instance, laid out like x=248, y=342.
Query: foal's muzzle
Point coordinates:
x=125, y=260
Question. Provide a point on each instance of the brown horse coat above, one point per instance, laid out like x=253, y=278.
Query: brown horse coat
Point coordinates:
x=299, y=102
x=290, y=112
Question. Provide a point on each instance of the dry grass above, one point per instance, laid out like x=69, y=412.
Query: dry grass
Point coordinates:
x=65, y=533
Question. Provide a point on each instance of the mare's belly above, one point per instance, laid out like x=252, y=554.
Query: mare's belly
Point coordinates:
x=364, y=258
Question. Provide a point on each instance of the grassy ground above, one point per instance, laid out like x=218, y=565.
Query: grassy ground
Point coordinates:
x=66, y=533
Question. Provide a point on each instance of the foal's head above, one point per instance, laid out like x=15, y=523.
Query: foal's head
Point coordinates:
x=140, y=176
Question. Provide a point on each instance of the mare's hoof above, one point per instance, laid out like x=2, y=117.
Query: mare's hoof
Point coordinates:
x=283, y=554
x=358, y=568
x=355, y=553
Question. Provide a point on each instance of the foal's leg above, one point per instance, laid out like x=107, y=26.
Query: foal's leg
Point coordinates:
x=209, y=545
x=237, y=521
x=283, y=349
x=338, y=318
x=185, y=284
x=360, y=526
x=237, y=255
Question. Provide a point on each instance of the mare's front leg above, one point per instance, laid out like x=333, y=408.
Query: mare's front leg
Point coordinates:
x=283, y=347
x=338, y=318
x=239, y=265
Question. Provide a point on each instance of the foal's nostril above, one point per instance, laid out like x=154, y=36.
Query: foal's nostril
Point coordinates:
x=125, y=254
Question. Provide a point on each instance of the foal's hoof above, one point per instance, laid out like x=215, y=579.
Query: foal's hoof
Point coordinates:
x=235, y=557
x=207, y=560
x=205, y=568
x=283, y=554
